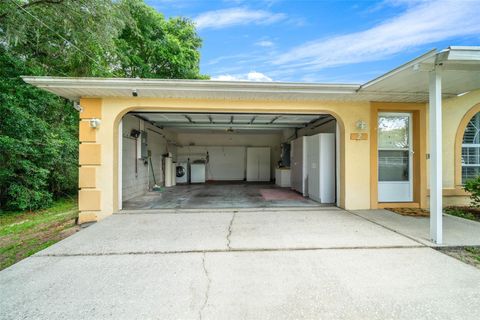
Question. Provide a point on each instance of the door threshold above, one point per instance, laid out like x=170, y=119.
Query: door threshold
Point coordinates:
x=203, y=210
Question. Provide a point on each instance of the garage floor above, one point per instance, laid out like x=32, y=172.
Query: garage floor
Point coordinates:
x=220, y=195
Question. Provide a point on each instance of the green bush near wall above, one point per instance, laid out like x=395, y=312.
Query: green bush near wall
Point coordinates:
x=38, y=141
x=473, y=187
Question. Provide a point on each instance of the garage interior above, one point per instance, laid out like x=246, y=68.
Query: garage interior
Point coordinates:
x=220, y=160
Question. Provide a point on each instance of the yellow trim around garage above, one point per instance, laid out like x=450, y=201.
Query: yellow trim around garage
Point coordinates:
x=458, y=145
x=233, y=107
x=92, y=108
x=86, y=133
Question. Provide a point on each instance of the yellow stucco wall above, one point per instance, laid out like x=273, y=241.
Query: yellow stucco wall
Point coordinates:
x=354, y=166
x=454, y=110
x=356, y=173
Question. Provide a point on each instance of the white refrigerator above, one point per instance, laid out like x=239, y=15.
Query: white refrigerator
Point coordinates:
x=321, y=167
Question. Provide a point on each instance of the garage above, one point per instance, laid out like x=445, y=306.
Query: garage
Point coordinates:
x=188, y=160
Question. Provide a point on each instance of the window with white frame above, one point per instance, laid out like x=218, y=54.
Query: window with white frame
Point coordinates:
x=471, y=149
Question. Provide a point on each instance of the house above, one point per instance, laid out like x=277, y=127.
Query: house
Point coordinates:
x=413, y=127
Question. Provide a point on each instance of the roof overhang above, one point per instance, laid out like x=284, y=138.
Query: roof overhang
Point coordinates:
x=460, y=67
x=74, y=88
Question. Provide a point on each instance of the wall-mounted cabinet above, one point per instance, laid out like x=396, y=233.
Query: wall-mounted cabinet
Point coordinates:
x=258, y=164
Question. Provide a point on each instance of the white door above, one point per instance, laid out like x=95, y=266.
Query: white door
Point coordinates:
x=264, y=164
x=395, y=182
x=327, y=167
x=321, y=167
x=258, y=164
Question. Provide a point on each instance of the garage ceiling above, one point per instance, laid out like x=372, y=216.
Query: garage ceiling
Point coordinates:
x=224, y=121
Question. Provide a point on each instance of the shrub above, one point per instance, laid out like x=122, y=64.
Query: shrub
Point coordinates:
x=473, y=187
x=38, y=141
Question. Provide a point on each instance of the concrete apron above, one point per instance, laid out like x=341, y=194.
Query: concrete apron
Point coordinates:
x=327, y=264
x=221, y=230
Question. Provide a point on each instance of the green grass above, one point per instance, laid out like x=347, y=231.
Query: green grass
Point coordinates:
x=458, y=212
x=470, y=255
x=25, y=233
x=474, y=252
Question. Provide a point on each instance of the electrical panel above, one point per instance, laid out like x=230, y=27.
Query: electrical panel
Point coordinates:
x=142, y=145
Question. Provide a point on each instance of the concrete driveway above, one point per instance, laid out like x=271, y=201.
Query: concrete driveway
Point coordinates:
x=269, y=264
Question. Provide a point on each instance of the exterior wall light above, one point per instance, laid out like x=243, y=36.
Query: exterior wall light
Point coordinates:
x=77, y=106
x=361, y=125
x=95, y=123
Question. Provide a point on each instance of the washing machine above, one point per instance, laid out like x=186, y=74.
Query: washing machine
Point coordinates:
x=182, y=172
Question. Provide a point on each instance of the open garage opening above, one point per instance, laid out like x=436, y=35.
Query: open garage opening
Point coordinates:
x=179, y=160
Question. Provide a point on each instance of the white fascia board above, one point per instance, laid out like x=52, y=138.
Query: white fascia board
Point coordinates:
x=422, y=59
x=189, y=85
x=465, y=54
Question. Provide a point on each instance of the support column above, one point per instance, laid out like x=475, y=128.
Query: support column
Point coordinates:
x=120, y=165
x=435, y=134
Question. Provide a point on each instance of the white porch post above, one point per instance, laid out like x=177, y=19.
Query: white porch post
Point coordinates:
x=435, y=133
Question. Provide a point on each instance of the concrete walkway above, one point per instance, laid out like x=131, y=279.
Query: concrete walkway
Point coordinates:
x=285, y=264
x=456, y=231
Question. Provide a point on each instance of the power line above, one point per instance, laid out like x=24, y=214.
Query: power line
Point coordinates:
x=59, y=35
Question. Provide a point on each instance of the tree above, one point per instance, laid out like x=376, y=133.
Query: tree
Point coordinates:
x=39, y=131
x=150, y=46
x=67, y=37
x=37, y=155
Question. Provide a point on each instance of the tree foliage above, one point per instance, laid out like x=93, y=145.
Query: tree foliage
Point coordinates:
x=472, y=186
x=109, y=38
x=150, y=46
x=68, y=37
x=38, y=147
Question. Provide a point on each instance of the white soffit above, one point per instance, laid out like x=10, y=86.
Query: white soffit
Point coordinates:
x=75, y=88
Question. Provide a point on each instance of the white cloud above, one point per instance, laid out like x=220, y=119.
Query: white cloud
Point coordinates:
x=258, y=76
x=251, y=76
x=236, y=16
x=268, y=3
x=264, y=43
x=225, y=77
x=422, y=23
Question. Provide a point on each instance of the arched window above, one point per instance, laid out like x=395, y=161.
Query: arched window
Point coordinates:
x=471, y=149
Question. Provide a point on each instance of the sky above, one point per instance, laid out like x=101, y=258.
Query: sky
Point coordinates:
x=321, y=41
